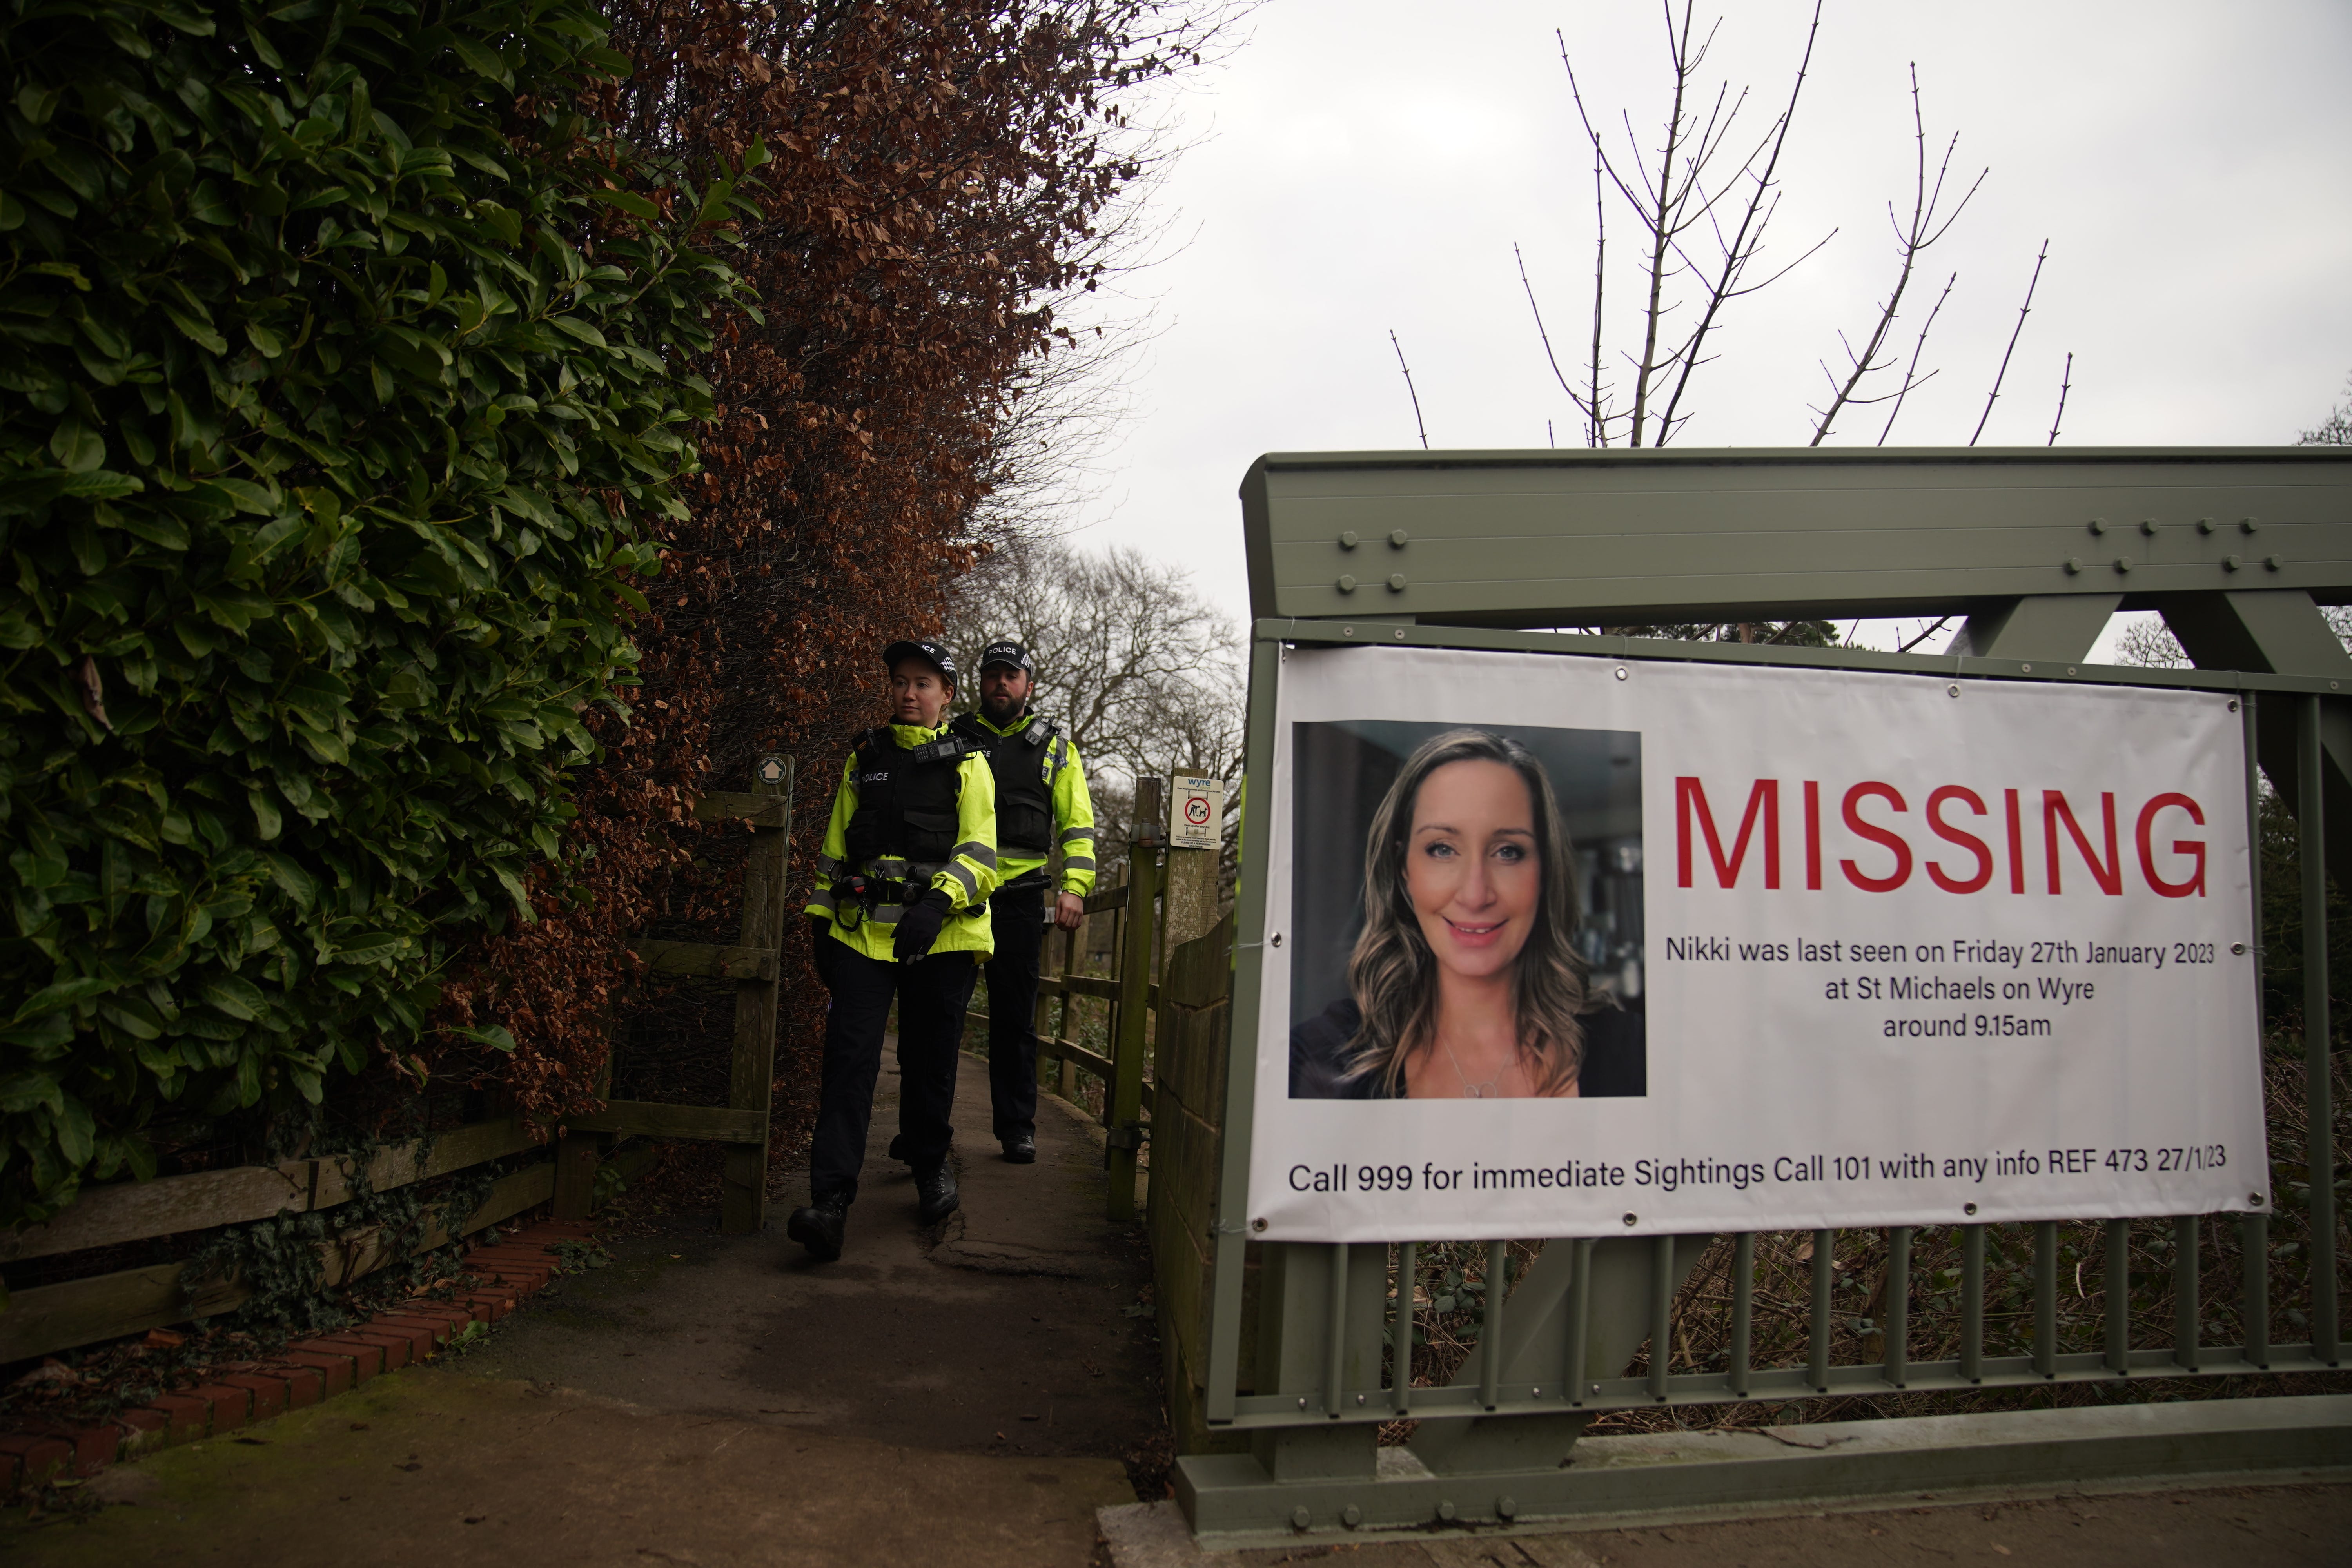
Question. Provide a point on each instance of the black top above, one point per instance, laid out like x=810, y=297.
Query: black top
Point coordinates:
x=1616, y=1055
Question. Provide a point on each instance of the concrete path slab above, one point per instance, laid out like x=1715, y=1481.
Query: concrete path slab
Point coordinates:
x=970, y=1395
x=1005, y=1330
x=445, y=1469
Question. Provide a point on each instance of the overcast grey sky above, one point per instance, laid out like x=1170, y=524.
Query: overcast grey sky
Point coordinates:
x=1360, y=165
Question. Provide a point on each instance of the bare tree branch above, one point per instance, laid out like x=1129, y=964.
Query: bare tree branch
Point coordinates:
x=1911, y=376
x=1661, y=231
x=2065, y=383
x=1747, y=238
x=2022, y=312
x=1549, y=357
x=1596, y=433
x=1910, y=243
x=1924, y=635
x=2335, y=430
x=1409, y=391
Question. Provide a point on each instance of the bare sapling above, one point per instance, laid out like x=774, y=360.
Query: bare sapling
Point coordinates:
x=1691, y=195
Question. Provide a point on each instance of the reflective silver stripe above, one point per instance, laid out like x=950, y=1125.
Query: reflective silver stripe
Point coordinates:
x=822, y=899
x=1078, y=862
x=980, y=853
x=963, y=874
x=826, y=866
x=1061, y=756
x=1077, y=836
x=887, y=914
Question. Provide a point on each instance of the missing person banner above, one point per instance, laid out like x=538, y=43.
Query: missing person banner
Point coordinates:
x=1571, y=946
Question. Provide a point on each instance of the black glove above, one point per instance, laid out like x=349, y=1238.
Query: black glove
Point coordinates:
x=918, y=927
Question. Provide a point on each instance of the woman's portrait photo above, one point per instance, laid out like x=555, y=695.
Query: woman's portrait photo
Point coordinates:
x=1468, y=913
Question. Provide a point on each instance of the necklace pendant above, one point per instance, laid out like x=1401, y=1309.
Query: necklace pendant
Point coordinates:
x=1477, y=1090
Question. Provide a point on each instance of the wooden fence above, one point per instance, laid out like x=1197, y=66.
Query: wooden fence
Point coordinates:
x=49, y=1317
x=1162, y=897
x=1196, y=1030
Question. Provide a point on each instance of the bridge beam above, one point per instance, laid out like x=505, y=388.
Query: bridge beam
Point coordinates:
x=2279, y=632
x=2060, y=627
x=1320, y=1312
x=1620, y=1307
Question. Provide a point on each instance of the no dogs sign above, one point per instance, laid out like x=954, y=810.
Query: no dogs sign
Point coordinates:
x=1196, y=810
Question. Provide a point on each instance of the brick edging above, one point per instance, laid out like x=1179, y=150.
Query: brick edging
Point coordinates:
x=33, y=1452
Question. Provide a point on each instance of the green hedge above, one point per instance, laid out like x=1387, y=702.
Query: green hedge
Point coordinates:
x=337, y=365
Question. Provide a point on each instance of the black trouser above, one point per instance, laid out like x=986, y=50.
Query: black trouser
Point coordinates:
x=932, y=995
x=1019, y=916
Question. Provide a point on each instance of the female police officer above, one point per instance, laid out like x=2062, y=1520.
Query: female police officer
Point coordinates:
x=899, y=908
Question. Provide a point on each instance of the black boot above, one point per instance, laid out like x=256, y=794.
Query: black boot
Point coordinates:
x=1021, y=1149
x=819, y=1228
x=899, y=1147
x=935, y=1195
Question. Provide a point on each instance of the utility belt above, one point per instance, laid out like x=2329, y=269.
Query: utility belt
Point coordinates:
x=857, y=896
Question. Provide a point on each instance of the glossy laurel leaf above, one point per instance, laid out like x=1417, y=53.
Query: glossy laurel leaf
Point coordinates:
x=332, y=420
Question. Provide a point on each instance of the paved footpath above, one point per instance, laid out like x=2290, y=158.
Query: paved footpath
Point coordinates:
x=970, y=1398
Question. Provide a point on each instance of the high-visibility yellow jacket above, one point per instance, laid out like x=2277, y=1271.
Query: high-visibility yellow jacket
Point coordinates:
x=968, y=877
x=1064, y=774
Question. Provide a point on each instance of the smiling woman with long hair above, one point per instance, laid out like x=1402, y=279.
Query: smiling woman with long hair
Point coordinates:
x=1465, y=984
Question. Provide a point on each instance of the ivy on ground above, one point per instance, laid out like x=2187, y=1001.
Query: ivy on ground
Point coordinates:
x=341, y=379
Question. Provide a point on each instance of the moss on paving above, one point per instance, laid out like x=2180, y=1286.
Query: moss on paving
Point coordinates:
x=430, y=1466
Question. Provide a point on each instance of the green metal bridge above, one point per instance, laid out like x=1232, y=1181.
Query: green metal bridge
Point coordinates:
x=1281, y=1371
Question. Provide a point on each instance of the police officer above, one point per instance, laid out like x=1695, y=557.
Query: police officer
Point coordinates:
x=899, y=909
x=1041, y=805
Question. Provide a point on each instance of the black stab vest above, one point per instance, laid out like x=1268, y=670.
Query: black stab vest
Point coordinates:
x=906, y=798
x=1025, y=800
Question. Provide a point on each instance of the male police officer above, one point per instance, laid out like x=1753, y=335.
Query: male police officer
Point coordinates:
x=900, y=906
x=1041, y=804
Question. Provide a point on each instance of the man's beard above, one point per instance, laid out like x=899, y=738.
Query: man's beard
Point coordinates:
x=1001, y=712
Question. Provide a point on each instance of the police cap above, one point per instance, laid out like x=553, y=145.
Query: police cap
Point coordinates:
x=1007, y=652
x=930, y=653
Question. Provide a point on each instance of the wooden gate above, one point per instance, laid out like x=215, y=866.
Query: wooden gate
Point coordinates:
x=751, y=963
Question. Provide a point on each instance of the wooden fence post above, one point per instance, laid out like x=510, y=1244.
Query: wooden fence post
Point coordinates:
x=743, y=1194
x=1083, y=958
x=575, y=1173
x=1123, y=1107
x=1074, y=959
x=1041, y=1020
x=578, y=1150
x=1188, y=902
